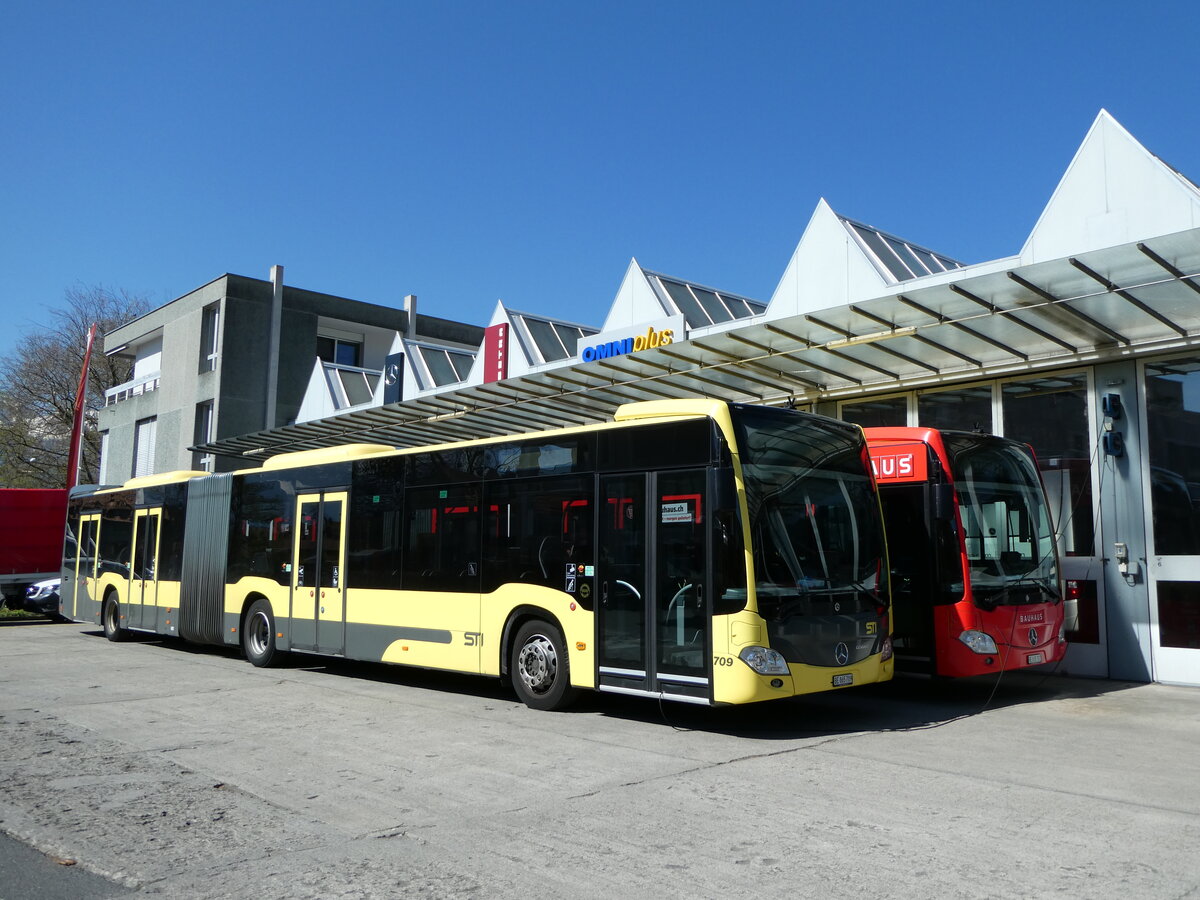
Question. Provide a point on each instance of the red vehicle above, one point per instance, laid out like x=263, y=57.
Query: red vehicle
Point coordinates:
x=975, y=585
x=31, y=538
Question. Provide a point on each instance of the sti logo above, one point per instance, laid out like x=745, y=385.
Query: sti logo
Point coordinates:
x=899, y=463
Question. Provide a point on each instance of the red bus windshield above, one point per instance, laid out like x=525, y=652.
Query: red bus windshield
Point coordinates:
x=1008, y=537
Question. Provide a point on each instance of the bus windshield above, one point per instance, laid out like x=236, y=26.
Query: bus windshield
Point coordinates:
x=816, y=533
x=1006, y=526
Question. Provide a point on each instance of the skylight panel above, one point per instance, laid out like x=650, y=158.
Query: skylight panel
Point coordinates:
x=569, y=335
x=462, y=363
x=444, y=367
x=932, y=263
x=717, y=311
x=882, y=252
x=544, y=335
x=907, y=257
x=692, y=311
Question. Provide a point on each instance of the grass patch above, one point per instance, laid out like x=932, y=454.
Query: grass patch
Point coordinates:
x=6, y=613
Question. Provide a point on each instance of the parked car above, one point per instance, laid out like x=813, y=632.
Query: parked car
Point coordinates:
x=42, y=597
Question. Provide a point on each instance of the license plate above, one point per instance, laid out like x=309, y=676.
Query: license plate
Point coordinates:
x=843, y=680
x=1034, y=658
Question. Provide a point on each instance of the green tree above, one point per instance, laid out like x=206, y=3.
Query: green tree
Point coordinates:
x=38, y=383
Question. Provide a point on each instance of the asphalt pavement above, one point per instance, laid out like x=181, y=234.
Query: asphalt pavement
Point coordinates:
x=178, y=771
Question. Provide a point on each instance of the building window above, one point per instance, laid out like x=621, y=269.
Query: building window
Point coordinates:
x=202, y=434
x=1051, y=415
x=102, y=475
x=963, y=409
x=339, y=351
x=1173, y=424
x=210, y=338
x=873, y=413
x=145, y=432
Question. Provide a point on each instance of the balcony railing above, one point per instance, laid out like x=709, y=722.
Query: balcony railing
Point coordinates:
x=143, y=385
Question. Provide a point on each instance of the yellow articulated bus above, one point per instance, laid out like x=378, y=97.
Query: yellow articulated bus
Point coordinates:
x=691, y=550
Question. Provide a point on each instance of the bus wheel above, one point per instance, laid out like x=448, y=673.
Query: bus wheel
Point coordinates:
x=540, y=672
x=258, y=635
x=112, y=620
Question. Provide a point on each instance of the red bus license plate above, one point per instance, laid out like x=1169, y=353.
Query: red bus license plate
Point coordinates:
x=1034, y=658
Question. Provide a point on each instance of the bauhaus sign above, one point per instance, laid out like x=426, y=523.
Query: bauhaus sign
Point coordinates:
x=899, y=462
x=648, y=336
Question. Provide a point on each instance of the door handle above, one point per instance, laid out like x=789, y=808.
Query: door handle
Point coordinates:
x=604, y=593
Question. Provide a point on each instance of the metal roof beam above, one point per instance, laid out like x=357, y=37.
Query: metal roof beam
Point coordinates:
x=938, y=317
x=739, y=365
x=1012, y=316
x=691, y=373
x=514, y=410
x=808, y=345
x=1061, y=303
x=772, y=354
x=637, y=385
x=1128, y=297
x=928, y=342
x=1183, y=277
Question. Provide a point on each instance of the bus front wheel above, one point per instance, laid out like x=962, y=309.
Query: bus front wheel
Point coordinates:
x=113, y=630
x=258, y=635
x=540, y=670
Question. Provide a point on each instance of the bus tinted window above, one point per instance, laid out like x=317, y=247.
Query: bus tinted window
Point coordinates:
x=816, y=531
x=441, y=541
x=535, y=528
x=1007, y=533
x=670, y=445
x=561, y=456
x=375, y=524
x=262, y=538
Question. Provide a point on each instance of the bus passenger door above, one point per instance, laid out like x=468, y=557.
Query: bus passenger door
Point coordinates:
x=318, y=565
x=652, y=578
x=143, y=574
x=85, y=567
x=621, y=578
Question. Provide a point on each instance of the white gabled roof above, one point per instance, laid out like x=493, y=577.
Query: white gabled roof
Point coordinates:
x=1114, y=191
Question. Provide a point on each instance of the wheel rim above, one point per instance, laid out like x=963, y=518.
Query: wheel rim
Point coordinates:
x=537, y=664
x=258, y=631
x=110, y=618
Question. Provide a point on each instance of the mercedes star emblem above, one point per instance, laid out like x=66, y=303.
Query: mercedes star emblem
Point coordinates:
x=841, y=653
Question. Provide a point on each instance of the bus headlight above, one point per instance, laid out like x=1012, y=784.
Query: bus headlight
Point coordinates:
x=764, y=661
x=978, y=641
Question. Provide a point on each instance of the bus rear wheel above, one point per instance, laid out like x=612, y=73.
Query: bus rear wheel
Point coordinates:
x=113, y=630
x=540, y=670
x=258, y=635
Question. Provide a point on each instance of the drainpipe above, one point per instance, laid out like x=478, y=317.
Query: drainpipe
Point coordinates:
x=273, y=345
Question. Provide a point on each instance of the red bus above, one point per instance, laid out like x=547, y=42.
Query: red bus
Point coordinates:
x=976, y=584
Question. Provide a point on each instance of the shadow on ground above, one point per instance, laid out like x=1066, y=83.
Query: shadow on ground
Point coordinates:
x=902, y=704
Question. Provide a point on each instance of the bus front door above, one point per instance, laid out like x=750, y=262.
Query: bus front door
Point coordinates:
x=652, y=573
x=318, y=563
x=142, y=607
x=86, y=560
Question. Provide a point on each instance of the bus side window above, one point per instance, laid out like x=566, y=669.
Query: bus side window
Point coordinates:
x=535, y=527
x=441, y=541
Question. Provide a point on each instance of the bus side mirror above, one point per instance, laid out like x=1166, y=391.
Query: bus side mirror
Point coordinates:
x=943, y=502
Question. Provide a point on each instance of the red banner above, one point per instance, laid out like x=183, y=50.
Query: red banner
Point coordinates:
x=495, y=353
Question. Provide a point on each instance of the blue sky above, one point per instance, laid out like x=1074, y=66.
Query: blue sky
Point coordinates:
x=468, y=152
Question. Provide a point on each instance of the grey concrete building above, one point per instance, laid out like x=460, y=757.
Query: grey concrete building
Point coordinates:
x=236, y=356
